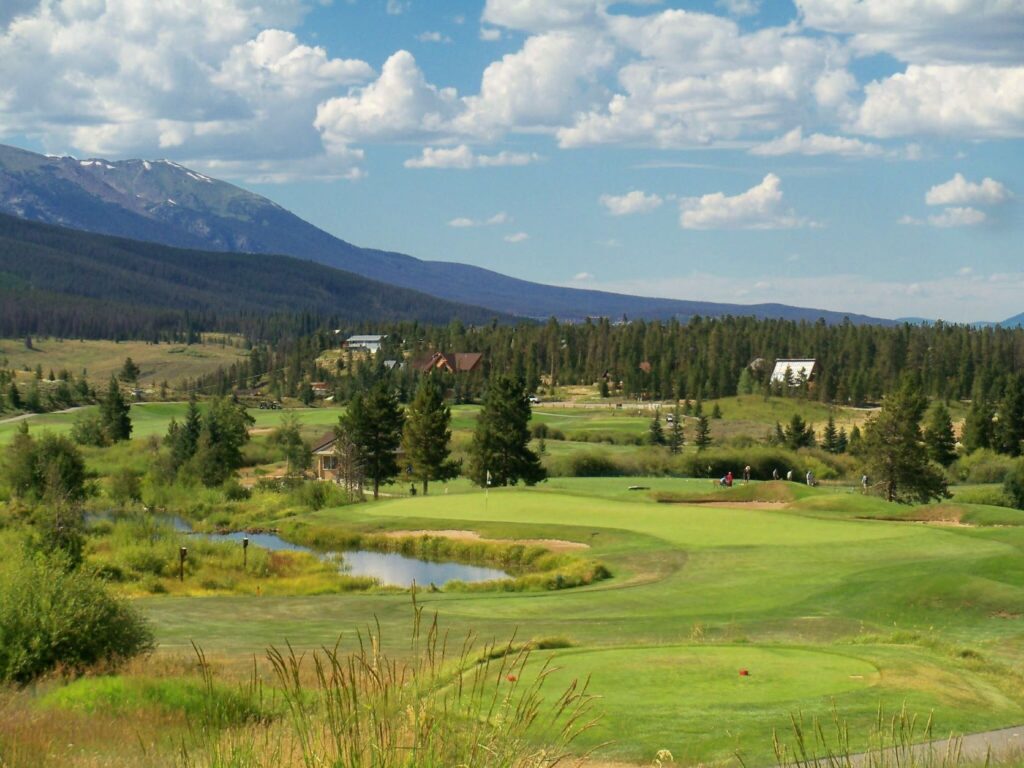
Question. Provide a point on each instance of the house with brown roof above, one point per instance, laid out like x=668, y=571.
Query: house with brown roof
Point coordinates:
x=456, y=362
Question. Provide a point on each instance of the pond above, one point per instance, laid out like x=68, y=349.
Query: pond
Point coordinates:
x=389, y=569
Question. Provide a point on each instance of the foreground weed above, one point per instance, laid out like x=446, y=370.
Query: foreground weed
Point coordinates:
x=896, y=741
x=470, y=705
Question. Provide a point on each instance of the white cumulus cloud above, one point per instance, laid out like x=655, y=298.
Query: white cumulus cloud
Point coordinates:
x=795, y=142
x=958, y=217
x=463, y=157
x=760, y=207
x=517, y=237
x=695, y=78
x=157, y=78
x=960, y=191
x=968, y=101
x=464, y=222
x=632, y=202
x=922, y=31
x=400, y=104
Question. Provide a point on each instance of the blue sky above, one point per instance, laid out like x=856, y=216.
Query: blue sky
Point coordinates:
x=858, y=155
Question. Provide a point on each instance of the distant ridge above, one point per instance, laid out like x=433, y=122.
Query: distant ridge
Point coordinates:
x=69, y=282
x=1013, y=322
x=163, y=202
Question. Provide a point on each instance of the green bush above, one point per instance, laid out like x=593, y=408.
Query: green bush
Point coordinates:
x=992, y=495
x=52, y=617
x=591, y=464
x=982, y=466
x=126, y=486
x=1013, y=487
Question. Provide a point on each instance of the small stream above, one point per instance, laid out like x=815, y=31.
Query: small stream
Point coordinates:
x=389, y=569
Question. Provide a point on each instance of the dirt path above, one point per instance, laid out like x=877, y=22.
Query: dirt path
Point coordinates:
x=1003, y=744
x=24, y=416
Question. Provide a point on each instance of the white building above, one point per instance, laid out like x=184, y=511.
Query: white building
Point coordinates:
x=800, y=370
x=371, y=344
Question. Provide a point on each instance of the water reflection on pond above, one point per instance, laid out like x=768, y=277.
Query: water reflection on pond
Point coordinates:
x=388, y=568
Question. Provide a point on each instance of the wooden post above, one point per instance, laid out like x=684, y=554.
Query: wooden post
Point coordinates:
x=182, y=554
x=245, y=552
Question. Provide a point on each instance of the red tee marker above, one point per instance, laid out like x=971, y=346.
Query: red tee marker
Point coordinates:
x=511, y=678
x=744, y=673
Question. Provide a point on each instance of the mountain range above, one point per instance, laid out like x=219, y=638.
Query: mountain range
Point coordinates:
x=166, y=203
x=73, y=283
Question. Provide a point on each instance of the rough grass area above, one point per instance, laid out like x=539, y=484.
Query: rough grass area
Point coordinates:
x=103, y=359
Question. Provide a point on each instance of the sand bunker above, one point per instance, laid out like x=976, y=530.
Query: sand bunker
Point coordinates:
x=741, y=504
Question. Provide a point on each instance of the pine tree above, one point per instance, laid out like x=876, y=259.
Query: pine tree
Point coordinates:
x=129, y=371
x=675, y=434
x=895, y=451
x=798, y=434
x=374, y=424
x=856, y=440
x=655, y=434
x=938, y=436
x=14, y=397
x=716, y=412
x=979, y=426
x=117, y=424
x=830, y=438
x=218, y=453
x=842, y=441
x=500, y=450
x=33, y=401
x=1009, y=433
x=428, y=435
x=702, y=433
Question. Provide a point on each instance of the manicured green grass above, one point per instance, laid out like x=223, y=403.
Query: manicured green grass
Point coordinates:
x=819, y=605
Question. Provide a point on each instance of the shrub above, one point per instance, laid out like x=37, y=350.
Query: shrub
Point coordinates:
x=317, y=495
x=126, y=486
x=53, y=617
x=1014, y=485
x=235, y=491
x=982, y=466
x=88, y=430
x=592, y=464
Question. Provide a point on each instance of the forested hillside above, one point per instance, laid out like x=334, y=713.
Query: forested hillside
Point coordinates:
x=702, y=358
x=70, y=283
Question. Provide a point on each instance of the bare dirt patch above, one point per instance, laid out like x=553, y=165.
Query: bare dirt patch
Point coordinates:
x=555, y=545
x=742, y=504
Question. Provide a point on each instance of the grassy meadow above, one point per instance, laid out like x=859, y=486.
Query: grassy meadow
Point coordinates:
x=103, y=359
x=828, y=599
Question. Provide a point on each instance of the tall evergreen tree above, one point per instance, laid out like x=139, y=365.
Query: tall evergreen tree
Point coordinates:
x=655, y=433
x=500, y=449
x=895, y=451
x=14, y=397
x=979, y=426
x=939, y=437
x=114, y=414
x=1009, y=432
x=374, y=424
x=798, y=434
x=428, y=435
x=702, y=433
x=219, y=449
x=675, y=432
x=830, y=437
